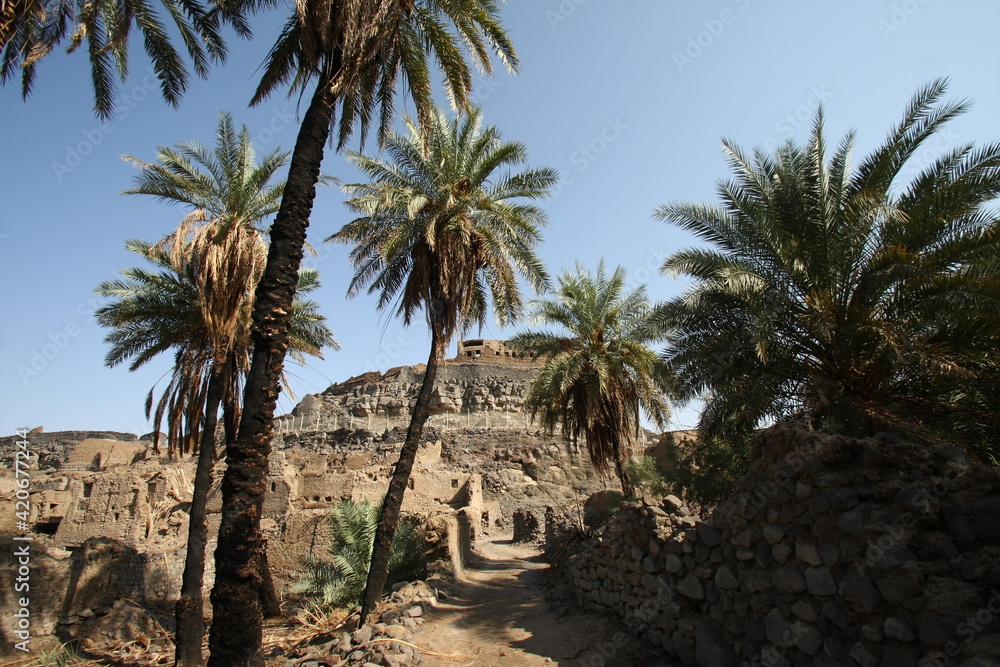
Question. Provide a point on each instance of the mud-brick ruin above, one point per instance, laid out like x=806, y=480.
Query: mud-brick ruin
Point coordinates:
x=111, y=514
x=830, y=551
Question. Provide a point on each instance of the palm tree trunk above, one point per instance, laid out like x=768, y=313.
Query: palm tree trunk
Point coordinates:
x=235, y=636
x=621, y=467
x=190, y=614
x=378, y=571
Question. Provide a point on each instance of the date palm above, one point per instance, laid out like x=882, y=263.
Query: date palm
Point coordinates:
x=31, y=29
x=199, y=304
x=444, y=229
x=354, y=54
x=855, y=298
x=598, y=376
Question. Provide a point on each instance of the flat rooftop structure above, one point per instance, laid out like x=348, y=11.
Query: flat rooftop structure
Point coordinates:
x=487, y=350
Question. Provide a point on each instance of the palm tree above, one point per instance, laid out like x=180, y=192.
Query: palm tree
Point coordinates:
x=162, y=310
x=598, y=374
x=356, y=52
x=443, y=231
x=340, y=581
x=31, y=29
x=199, y=304
x=850, y=298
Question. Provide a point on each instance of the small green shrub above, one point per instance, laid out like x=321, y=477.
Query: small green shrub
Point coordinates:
x=649, y=478
x=705, y=472
x=340, y=581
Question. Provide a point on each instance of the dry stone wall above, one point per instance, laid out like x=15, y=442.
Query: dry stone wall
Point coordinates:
x=831, y=551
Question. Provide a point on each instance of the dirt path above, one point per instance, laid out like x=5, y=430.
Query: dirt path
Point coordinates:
x=496, y=616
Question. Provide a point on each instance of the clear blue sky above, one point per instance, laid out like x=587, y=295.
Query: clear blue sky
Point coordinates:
x=627, y=100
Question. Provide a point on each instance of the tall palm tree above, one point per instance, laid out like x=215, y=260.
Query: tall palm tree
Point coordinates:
x=852, y=298
x=598, y=376
x=355, y=52
x=162, y=310
x=443, y=229
x=31, y=29
x=199, y=304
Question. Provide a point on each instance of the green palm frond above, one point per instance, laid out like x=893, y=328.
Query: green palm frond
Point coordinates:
x=31, y=29
x=339, y=581
x=199, y=299
x=359, y=50
x=844, y=296
x=433, y=232
x=598, y=374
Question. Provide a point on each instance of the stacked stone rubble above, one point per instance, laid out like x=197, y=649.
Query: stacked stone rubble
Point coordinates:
x=830, y=552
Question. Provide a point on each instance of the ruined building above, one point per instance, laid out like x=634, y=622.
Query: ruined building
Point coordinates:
x=110, y=514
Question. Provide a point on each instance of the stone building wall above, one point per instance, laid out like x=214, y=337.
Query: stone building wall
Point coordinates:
x=491, y=351
x=830, y=552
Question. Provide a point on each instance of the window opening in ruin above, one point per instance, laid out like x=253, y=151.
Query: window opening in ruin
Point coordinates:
x=411, y=484
x=46, y=527
x=117, y=516
x=87, y=488
x=454, y=483
x=274, y=485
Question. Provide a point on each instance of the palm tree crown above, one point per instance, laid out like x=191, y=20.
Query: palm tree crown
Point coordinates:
x=598, y=374
x=358, y=50
x=200, y=301
x=852, y=298
x=156, y=311
x=31, y=29
x=441, y=230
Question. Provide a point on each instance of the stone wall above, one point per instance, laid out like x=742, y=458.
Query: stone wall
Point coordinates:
x=831, y=551
x=102, y=589
x=526, y=526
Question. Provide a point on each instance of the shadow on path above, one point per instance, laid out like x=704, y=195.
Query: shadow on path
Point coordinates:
x=496, y=615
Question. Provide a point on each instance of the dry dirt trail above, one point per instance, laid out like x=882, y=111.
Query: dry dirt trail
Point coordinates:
x=496, y=615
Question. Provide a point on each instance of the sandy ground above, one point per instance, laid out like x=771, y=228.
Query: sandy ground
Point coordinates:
x=496, y=616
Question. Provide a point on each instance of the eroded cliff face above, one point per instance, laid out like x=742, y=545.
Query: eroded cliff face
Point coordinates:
x=462, y=387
